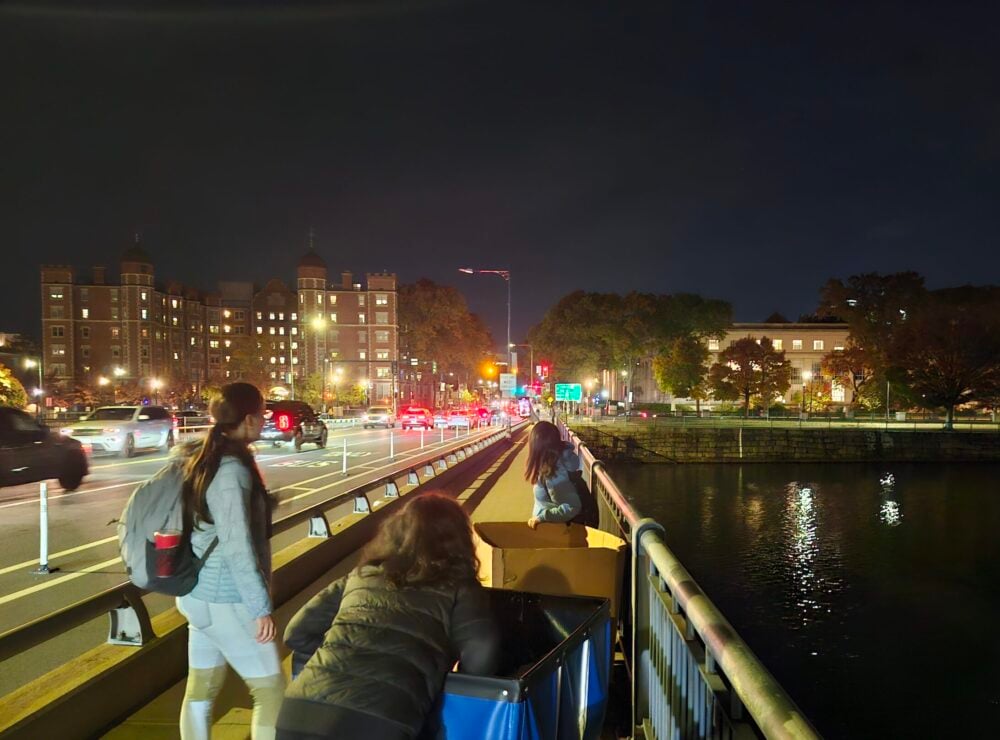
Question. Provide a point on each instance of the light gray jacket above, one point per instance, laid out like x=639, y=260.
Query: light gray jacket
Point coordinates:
x=239, y=569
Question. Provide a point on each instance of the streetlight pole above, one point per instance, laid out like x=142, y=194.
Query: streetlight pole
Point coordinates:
x=505, y=274
x=326, y=364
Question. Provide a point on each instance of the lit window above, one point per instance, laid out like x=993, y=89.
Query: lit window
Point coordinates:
x=226, y=328
x=281, y=331
x=361, y=300
x=281, y=316
x=84, y=313
x=778, y=343
x=144, y=313
x=259, y=316
x=818, y=344
x=176, y=356
x=294, y=331
x=273, y=360
x=260, y=329
x=281, y=360
x=381, y=317
x=143, y=295
x=382, y=354
x=295, y=316
x=115, y=331
x=796, y=344
x=333, y=300
x=361, y=318
x=333, y=318
x=227, y=313
x=713, y=345
x=228, y=342
x=295, y=360
x=838, y=348
x=381, y=299
x=362, y=355
x=271, y=332
x=319, y=299
x=381, y=337
x=173, y=303
x=213, y=343
x=56, y=294
x=302, y=298
x=192, y=341
x=59, y=349
x=381, y=372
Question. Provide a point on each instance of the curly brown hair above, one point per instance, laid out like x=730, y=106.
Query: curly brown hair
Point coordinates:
x=427, y=543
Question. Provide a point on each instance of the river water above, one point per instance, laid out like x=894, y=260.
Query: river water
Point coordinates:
x=876, y=607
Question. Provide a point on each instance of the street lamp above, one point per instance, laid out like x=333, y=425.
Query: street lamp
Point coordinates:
x=30, y=363
x=806, y=377
x=505, y=274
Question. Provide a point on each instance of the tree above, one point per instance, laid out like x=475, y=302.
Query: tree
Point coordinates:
x=246, y=362
x=11, y=391
x=435, y=325
x=310, y=390
x=850, y=368
x=750, y=369
x=681, y=369
x=948, y=350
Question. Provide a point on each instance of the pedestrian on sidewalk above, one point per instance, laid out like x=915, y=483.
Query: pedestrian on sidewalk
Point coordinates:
x=374, y=647
x=227, y=514
x=550, y=465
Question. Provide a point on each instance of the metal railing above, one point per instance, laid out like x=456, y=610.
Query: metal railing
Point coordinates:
x=130, y=622
x=692, y=675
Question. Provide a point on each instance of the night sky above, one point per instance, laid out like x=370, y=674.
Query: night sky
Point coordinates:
x=745, y=151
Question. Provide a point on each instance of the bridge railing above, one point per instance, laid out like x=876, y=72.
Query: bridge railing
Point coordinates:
x=692, y=674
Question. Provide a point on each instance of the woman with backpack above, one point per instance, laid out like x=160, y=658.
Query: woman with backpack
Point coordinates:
x=551, y=465
x=227, y=514
x=377, y=645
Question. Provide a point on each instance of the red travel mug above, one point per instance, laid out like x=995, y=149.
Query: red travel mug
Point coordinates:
x=166, y=543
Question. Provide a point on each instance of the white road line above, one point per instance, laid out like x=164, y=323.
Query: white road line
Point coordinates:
x=72, y=493
x=53, y=556
x=59, y=580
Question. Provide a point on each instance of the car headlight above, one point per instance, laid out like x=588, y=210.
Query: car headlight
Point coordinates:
x=66, y=431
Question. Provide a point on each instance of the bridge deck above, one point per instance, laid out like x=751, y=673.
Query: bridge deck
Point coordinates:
x=496, y=493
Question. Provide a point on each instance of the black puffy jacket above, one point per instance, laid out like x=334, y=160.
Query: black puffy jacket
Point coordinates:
x=372, y=648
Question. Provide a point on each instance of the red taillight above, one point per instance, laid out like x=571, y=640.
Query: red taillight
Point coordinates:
x=284, y=422
x=176, y=421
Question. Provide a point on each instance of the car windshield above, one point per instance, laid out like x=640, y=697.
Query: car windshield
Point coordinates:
x=122, y=414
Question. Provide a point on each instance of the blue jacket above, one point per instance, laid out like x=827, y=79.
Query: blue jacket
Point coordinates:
x=239, y=569
x=556, y=499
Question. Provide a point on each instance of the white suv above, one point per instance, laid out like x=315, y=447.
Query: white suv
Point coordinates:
x=124, y=429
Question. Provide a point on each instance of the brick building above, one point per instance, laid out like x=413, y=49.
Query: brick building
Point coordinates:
x=138, y=330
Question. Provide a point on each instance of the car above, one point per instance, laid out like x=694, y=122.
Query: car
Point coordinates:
x=459, y=418
x=440, y=419
x=31, y=452
x=192, y=418
x=292, y=421
x=124, y=429
x=378, y=416
x=416, y=416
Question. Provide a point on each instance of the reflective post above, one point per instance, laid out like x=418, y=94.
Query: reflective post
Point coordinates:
x=43, y=521
x=392, y=445
x=344, y=464
x=421, y=438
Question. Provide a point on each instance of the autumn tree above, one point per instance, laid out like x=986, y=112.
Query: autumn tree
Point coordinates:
x=246, y=362
x=749, y=369
x=681, y=369
x=852, y=368
x=11, y=391
x=948, y=350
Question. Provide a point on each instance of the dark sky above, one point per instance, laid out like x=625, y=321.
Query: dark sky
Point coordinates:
x=745, y=151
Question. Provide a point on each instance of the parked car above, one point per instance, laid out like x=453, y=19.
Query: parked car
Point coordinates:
x=292, y=421
x=378, y=416
x=31, y=452
x=416, y=416
x=124, y=429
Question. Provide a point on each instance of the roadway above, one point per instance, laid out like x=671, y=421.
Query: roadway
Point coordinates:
x=83, y=542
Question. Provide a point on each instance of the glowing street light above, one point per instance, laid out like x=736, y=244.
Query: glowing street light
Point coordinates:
x=119, y=372
x=505, y=274
x=156, y=384
x=102, y=381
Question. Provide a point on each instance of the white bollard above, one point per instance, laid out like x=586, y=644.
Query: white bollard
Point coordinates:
x=421, y=438
x=43, y=521
x=442, y=435
x=344, y=465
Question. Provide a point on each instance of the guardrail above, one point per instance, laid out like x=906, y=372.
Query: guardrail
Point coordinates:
x=130, y=622
x=906, y=422
x=692, y=674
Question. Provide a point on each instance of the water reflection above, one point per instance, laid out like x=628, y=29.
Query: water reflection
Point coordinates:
x=803, y=549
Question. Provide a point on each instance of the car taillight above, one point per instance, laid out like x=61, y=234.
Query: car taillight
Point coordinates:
x=176, y=421
x=284, y=422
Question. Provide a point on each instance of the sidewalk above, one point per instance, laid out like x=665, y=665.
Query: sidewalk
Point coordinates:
x=498, y=493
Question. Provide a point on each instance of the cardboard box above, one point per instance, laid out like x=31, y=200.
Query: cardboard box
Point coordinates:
x=553, y=559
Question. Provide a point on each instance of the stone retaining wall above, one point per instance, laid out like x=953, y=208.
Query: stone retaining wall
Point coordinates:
x=757, y=444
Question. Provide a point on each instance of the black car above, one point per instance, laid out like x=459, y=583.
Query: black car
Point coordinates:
x=292, y=421
x=31, y=452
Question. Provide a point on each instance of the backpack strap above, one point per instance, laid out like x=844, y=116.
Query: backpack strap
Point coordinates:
x=208, y=551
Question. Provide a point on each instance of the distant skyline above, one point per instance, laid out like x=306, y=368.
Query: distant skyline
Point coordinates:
x=746, y=152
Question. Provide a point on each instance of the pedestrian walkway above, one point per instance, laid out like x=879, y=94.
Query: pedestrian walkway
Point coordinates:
x=498, y=493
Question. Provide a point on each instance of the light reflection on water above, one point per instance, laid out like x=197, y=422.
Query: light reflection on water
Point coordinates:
x=849, y=590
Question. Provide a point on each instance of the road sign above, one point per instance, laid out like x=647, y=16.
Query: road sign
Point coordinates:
x=569, y=392
x=508, y=381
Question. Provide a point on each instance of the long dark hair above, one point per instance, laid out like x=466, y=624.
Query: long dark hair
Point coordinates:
x=236, y=402
x=427, y=543
x=545, y=445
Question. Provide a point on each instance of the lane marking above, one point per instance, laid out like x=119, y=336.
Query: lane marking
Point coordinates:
x=61, y=579
x=53, y=556
x=71, y=493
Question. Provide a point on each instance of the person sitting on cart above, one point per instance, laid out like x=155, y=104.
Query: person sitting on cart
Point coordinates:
x=374, y=647
x=551, y=462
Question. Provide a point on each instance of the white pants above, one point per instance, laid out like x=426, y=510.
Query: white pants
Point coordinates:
x=219, y=634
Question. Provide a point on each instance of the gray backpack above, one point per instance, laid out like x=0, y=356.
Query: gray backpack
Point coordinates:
x=156, y=505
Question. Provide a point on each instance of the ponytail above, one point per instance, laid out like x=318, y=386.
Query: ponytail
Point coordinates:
x=230, y=409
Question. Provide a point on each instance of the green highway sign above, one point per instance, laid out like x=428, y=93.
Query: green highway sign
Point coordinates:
x=569, y=392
